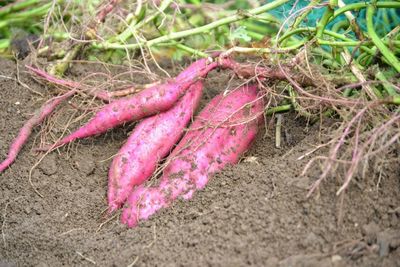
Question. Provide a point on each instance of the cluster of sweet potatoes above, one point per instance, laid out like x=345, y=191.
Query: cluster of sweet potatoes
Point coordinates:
x=218, y=136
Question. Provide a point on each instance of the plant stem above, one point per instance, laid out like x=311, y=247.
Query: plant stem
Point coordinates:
x=362, y=4
x=353, y=22
x=4, y=43
x=10, y=8
x=278, y=109
x=134, y=26
x=371, y=91
x=353, y=43
x=333, y=3
x=186, y=48
x=396, y=100
x=62, y=65
x=202, y=29
x=391, y=58
x=297, y=106
x=313, y=29
x=263, y=50
x=5, y=23
x=321, y=25
x=255, y=35
x=268, y=18
x=300, y=18
x=39, y=11
x=343, y=24
x=328, y=32
x=389, y=89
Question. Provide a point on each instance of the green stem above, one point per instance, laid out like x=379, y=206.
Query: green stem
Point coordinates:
x=328, y=32
x=363, y=59
x=266, y=50
x=133, y=27
x=396, y=100
x=10, y=8
x=313, y=29
x=353, y=22
x=202, y=29
x=321, y=25
x=35, y=12
x=351, y=43
x=4, y=43
x=5, y=23
x=252, y=26
x=62, y=65
x=278, y=109
x=297, y=106
x=347, y=92
x=391, y=58
x=180, y=46
x=300, y=18
x=268, y=18
x=343, y=24
x=389, y=89
x=139, y=9
x=331, y=63
x=185, y=48
x=340, y=44
x=255, y=35
x=333, y=3
x=192, y=51
x=323, y=53
x=362, y=4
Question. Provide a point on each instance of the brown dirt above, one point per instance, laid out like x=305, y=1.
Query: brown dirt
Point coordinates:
x=254, y=213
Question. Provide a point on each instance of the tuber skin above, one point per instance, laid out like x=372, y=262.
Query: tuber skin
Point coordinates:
x=195, y=70
x=148, y=102
x=151, y=140
x=221, y=133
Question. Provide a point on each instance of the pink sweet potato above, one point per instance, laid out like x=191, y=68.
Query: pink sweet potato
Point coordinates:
x=26, y=130
x=218, y=137
x=151, y=140
x=194, y=70
x=148, y=102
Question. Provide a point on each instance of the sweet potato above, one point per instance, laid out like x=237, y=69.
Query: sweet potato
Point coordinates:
x=194, y=70
x=151, y=140
x=148, y=102
x=219, y=136
x=26, y=130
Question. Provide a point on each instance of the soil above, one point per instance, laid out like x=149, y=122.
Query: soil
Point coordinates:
x=255, y=213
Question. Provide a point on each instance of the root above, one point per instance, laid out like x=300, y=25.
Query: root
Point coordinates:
x=26, y=130
x=103, y=95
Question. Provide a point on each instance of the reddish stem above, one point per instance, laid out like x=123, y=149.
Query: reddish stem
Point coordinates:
x=250, y=70
x=103, y=95
x=102, y=14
